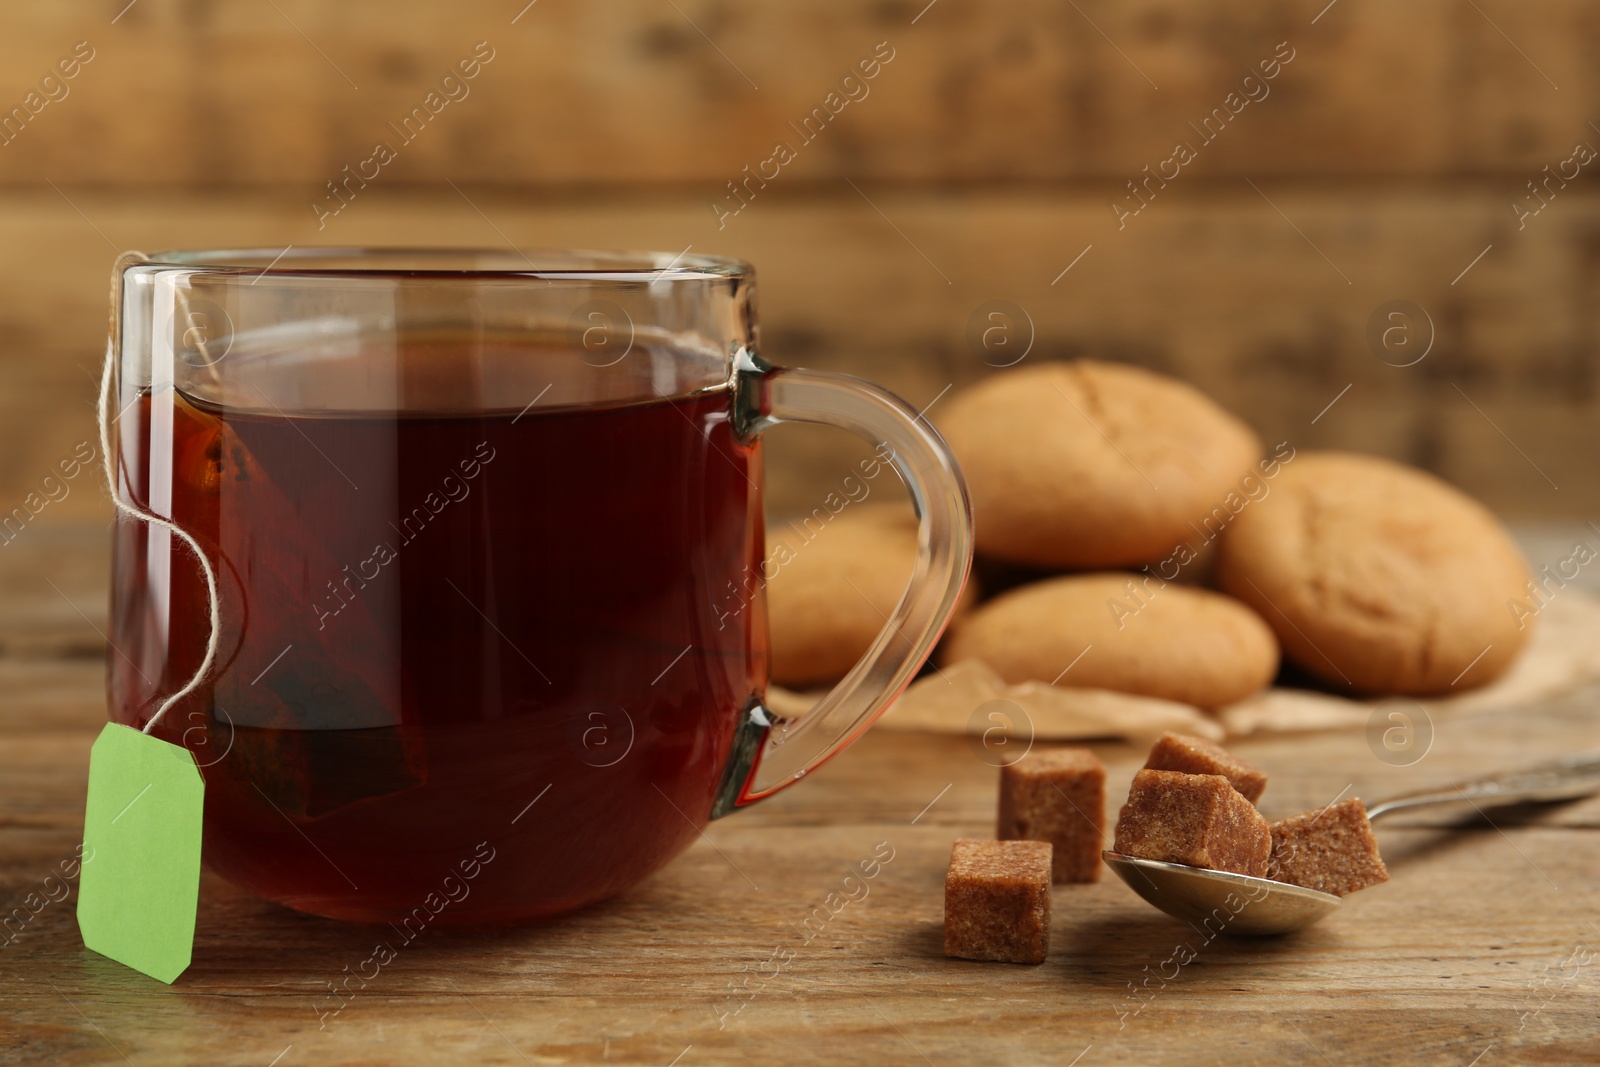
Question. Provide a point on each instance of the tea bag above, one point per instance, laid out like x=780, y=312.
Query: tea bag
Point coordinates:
x=317, y=727
x=138, y=889
x=139, y=905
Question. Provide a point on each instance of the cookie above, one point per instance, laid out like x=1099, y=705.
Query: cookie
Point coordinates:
x=832, y=589
x=1129, y=633
x=1092, y=465
x=1378, y=577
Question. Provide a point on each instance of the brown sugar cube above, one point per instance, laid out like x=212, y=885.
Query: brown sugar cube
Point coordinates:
x=1331, y=849
x=1057, y=795
x=1198, y=820
x=997, y=901
x=1196, y=755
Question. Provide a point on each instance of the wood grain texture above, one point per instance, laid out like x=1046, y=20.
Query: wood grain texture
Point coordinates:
x=1209, y=283
x=206, y=93
x=1477, y=943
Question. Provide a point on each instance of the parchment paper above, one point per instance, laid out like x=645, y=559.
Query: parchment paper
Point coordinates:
x=1562, y=654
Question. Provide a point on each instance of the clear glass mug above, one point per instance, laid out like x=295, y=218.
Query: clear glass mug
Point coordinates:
x=486, y=534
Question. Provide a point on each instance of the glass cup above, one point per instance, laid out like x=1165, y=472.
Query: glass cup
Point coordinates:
x=488, y=640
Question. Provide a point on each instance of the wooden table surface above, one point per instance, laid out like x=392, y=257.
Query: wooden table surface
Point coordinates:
x=1483, y=949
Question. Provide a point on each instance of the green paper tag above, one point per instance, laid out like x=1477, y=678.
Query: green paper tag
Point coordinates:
x=140, y=883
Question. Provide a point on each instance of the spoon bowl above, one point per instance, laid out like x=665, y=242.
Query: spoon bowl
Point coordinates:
x=1221, y=901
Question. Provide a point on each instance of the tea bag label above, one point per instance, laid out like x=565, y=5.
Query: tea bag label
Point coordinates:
x=140, y=883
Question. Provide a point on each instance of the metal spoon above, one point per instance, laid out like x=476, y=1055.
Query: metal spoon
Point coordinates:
x=1241, y=904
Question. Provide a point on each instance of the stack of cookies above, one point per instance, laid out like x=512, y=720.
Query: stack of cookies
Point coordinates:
x=1166, y=553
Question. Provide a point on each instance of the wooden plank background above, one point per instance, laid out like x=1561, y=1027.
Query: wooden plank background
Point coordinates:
x=208, y=93
x=1381, y=164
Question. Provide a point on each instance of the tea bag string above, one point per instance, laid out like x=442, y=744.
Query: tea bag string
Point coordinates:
x=104, y=410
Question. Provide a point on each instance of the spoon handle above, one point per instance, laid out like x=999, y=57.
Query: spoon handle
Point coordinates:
x=1564, y=779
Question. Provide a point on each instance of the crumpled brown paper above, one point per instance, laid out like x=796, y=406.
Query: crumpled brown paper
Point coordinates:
x=1562, y=655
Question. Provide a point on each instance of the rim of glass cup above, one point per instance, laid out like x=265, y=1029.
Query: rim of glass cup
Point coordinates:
x=322, y=261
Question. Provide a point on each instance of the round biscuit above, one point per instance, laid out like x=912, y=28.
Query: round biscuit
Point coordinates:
x=1091, y=465
x=1130, y=633
x=1378, y=577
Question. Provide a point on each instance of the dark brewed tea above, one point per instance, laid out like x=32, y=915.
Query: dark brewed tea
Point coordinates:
x=473, y=626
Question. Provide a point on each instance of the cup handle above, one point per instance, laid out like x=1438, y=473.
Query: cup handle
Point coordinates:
x=770, y=753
